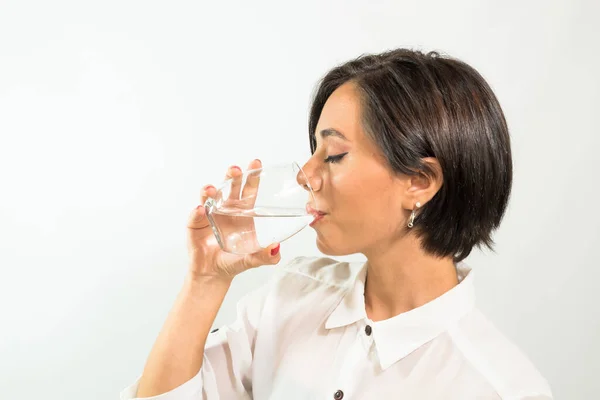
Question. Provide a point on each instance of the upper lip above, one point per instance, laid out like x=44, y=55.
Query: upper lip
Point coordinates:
x=314, y=211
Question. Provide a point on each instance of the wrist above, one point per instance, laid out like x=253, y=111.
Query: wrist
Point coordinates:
x=195, y=280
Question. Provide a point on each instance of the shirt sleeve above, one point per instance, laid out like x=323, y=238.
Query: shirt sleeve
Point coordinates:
x=228, y=354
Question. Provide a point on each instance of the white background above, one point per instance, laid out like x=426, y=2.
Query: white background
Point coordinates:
x=113, y=115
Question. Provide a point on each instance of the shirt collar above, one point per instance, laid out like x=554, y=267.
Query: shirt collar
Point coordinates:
x=399, y=336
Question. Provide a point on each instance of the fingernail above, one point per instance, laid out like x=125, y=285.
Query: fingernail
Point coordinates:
x=199, y=207
x=275, y=250
x=236, y=167
x=208, y=187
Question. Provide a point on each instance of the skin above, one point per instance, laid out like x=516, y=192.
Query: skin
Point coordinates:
x=367, y=207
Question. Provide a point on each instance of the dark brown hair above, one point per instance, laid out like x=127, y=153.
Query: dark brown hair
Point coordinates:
x=417, y=105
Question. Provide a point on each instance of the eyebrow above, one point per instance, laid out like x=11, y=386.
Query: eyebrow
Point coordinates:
x=332, y=132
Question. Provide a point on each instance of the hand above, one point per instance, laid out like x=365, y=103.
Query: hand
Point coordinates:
x=206, y=257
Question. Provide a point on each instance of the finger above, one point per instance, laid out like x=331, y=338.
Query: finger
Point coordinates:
x=267, y=256
x=207, y=191
x=235, y=173
x=197, y=219
x=252, y=181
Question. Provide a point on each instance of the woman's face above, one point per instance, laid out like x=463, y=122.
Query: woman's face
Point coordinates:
x=352, y=183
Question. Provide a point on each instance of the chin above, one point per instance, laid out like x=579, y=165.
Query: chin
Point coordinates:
x=331, y=249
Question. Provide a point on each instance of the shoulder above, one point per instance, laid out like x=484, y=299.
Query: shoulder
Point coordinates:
x=314, y=282
x=303, y=292
x=305, y=278
x=322, y=271
x=499, y=360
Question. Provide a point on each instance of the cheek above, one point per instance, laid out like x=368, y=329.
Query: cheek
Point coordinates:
x=365, y=209
x=350, y=193
x=366, y=200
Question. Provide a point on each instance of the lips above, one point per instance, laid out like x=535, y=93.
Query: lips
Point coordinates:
x=317, y=219
x=316, y=213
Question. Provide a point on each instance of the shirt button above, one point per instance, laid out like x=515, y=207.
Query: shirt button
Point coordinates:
x=339, y=395
x=368, y=330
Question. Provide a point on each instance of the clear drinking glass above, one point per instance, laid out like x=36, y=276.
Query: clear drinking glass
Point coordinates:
x=260, y=207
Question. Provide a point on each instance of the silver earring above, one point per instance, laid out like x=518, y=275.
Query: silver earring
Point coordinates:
x=411, y=220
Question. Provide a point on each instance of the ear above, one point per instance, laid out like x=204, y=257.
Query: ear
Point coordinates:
x=424, y=185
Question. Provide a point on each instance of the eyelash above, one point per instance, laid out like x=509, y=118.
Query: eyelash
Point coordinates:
x=335, y=159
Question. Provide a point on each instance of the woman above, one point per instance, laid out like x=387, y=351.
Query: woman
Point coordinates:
x=411, y=167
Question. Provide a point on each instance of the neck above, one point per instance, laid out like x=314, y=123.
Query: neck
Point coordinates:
x=402, y=277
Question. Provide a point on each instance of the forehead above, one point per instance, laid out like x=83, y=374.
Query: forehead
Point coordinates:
x=342, y=112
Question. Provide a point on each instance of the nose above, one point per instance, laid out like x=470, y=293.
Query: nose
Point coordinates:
x=308, y=177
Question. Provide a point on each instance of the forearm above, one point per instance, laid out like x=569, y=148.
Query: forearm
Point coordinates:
x=178, y=351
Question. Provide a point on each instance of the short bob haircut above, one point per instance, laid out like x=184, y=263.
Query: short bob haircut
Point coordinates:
x=416, y=105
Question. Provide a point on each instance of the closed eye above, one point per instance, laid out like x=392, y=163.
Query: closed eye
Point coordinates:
x=335, y=159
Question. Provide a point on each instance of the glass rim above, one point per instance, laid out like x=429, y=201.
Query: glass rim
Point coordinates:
x=279, y=165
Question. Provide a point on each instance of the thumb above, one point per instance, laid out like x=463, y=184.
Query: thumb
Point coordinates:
x=197, y=218
x=267, y=256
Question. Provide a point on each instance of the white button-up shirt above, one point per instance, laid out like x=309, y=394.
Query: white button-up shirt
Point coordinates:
x=306, y=335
